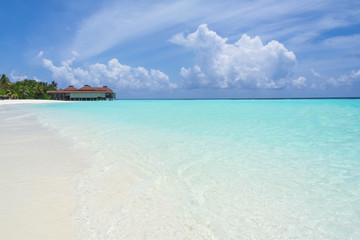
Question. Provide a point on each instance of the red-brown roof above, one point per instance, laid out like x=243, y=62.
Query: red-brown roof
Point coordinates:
x=70, y=88
x=84, y=89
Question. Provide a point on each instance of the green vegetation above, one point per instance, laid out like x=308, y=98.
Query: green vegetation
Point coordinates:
x=25, y=89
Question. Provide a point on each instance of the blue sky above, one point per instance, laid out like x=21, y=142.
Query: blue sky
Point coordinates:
x=196, y=49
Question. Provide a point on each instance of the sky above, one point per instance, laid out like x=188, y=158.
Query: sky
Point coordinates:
x=186, y=48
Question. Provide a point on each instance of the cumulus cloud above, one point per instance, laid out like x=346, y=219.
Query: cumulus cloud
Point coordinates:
x=246, y=64
x=300, y=82
x=112, y=73
x=350, y=80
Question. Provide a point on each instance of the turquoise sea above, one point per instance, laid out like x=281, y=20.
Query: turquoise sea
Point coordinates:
x=215, y=169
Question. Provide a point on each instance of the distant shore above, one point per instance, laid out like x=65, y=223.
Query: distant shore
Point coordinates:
x=38, y=169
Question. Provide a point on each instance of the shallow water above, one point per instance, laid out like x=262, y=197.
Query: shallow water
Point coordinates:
x=215, y=169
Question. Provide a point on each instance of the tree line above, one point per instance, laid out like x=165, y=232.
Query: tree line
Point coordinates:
x=26, y=89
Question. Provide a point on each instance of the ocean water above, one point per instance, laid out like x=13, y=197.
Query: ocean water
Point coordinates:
x=215, y=169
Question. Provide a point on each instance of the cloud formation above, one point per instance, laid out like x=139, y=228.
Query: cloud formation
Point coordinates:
x=299, y=83
x=113, y=73
x=19, y=77
x=350, y=80
x=315, y=73
x=119, y=22
x=246, y=64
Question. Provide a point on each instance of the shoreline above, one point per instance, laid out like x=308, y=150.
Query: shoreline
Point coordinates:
x=28, y=101
x=38, y=170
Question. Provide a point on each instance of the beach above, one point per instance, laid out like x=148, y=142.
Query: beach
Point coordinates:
x=38, y=169
x=173, y=169
x=27, y=101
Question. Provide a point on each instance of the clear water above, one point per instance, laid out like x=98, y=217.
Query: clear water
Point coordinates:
x=215, y=169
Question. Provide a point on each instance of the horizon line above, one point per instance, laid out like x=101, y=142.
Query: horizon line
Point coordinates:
x=265, y=98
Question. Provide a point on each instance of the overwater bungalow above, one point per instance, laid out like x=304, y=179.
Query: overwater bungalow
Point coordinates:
x=86, y=93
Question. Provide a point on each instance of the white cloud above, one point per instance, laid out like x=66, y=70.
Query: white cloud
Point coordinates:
x=75, y=54
x=343, y=42
x=118, y=22
x=40, y=54
x=246, y=64
x=315, y=73
x=112, y=74
x=355, y=74
x=300, y=82
x=345, y=80
x=19, y=77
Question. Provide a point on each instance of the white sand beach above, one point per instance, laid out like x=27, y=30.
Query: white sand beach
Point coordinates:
x=38, y=171
x=27, y=101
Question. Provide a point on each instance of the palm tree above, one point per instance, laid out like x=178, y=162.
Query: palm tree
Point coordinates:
x=26, y=88
x=39, y=90
x=4, y=81
x=53, y=85
x=23, y=92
